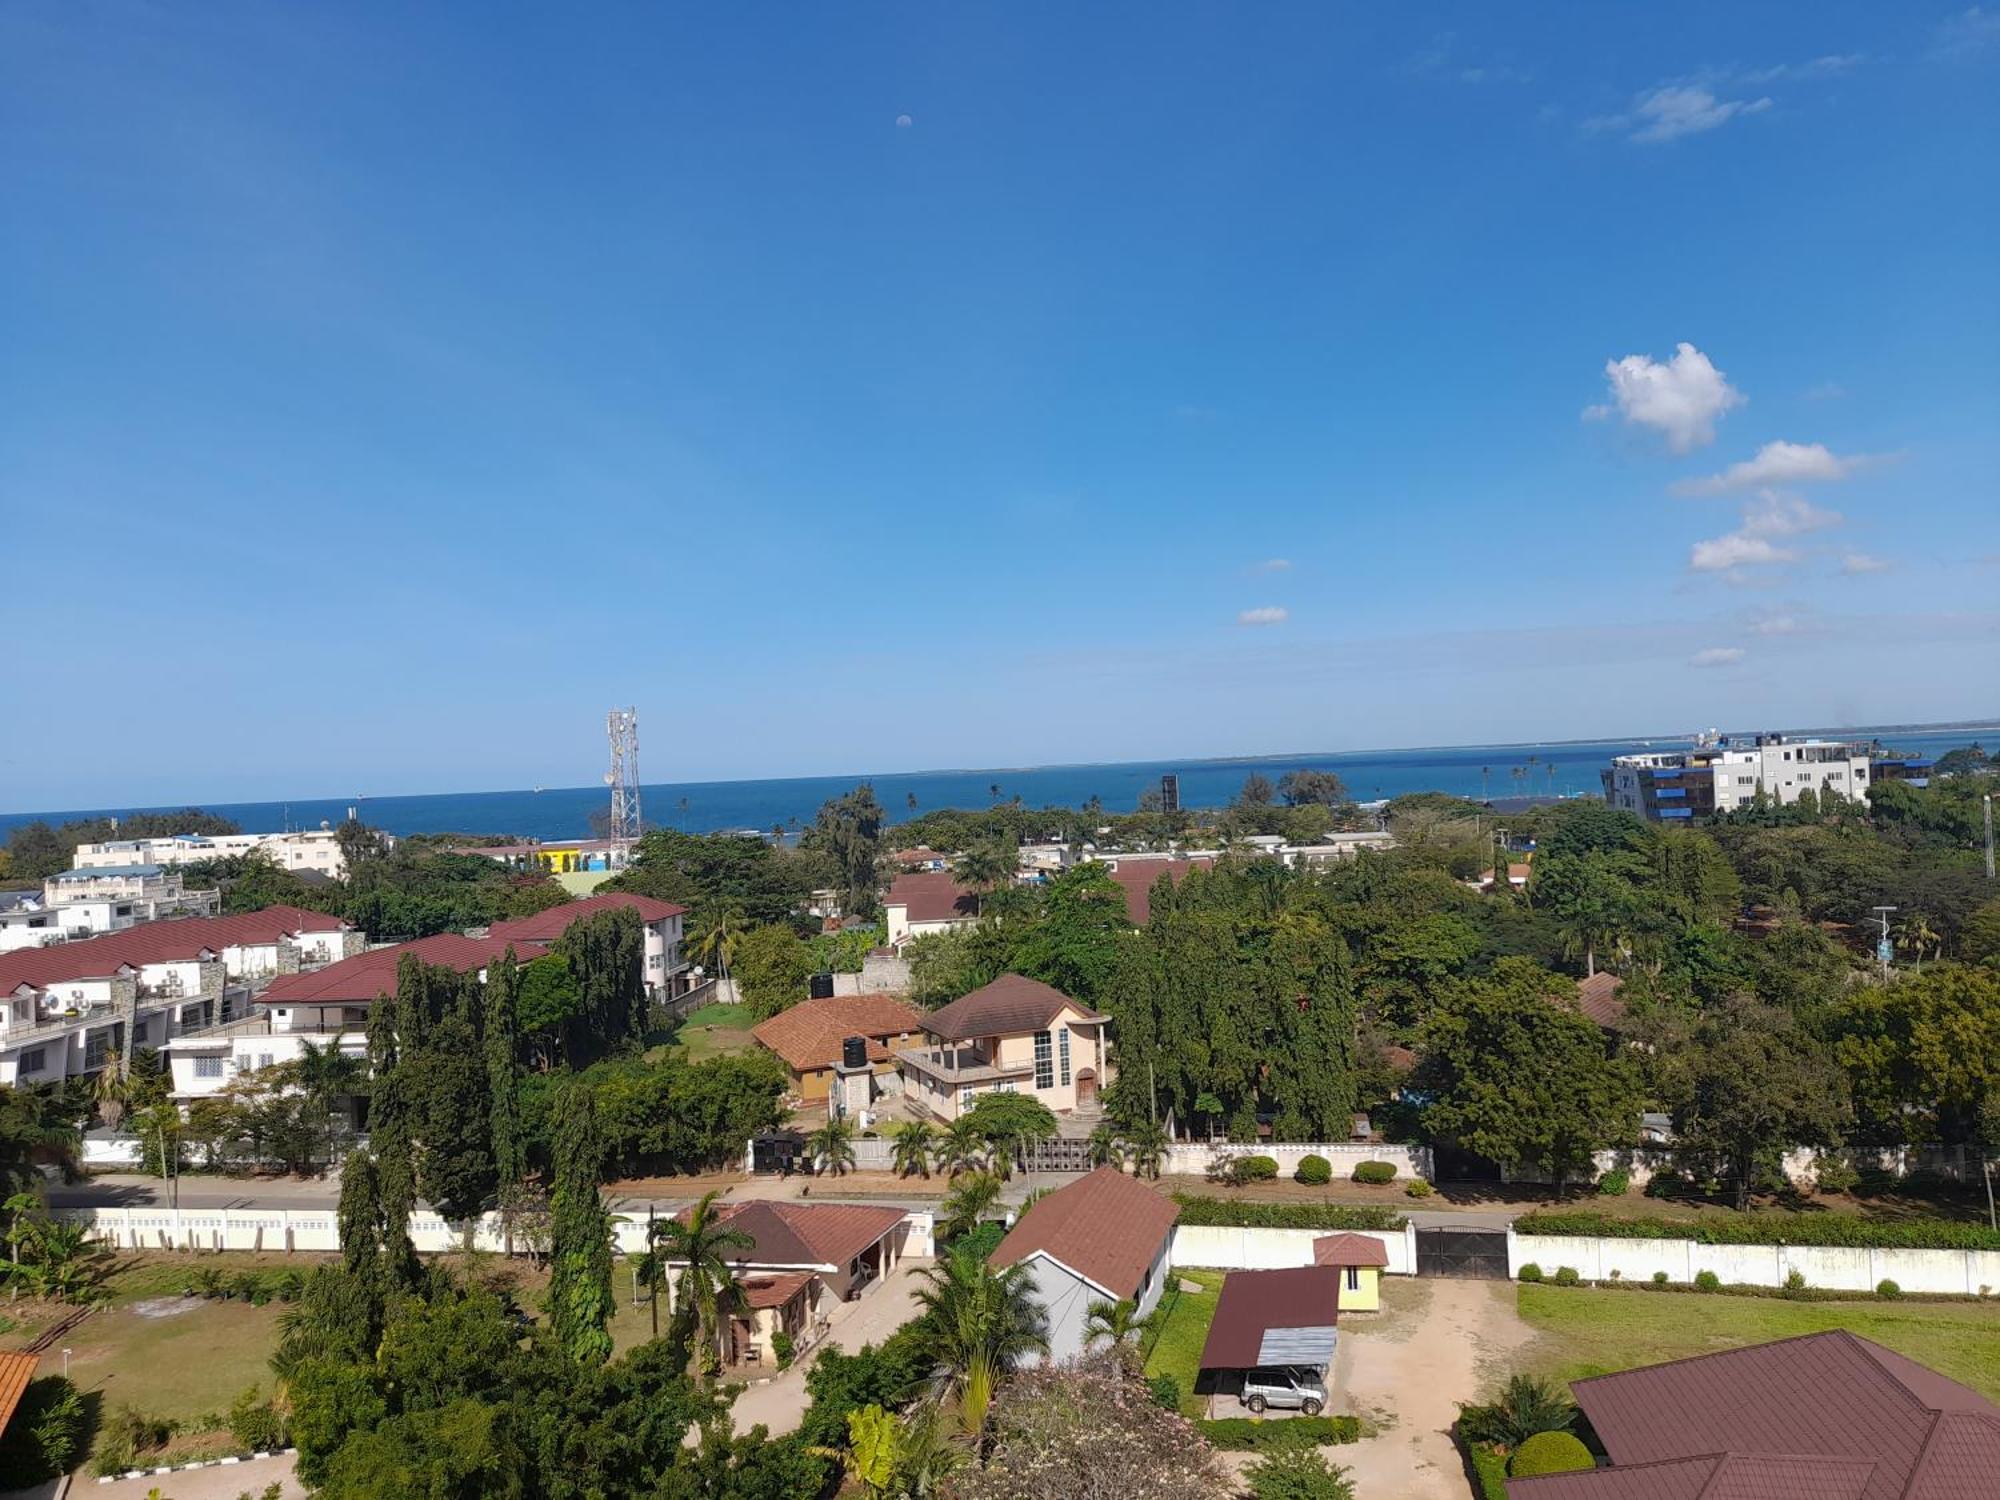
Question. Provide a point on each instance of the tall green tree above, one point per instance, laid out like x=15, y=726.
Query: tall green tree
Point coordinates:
x=1513, y=1072
x=606, y=951
x=455, y=1164
x=772, y=965
x=848, y=829
x=695, y=1247
x=391, y=1134
x=1922, y=1054
x=579, y=1297
x=503, y=1047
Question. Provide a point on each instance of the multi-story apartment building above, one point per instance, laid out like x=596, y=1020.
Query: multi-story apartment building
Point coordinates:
x=314, y=849
x=1676, y=785
x=68, y=1008
x=90, y=903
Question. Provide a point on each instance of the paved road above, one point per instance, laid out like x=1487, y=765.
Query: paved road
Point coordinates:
x=215, y=1482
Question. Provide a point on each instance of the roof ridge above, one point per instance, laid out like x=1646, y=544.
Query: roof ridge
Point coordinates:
x=1793, y=1338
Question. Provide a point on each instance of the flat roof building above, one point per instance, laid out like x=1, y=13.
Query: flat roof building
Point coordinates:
x=1684, y=785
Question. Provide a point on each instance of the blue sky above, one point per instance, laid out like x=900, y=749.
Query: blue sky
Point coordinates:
x=387, y=391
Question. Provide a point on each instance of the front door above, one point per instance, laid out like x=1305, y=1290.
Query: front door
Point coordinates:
x=1086, y=1089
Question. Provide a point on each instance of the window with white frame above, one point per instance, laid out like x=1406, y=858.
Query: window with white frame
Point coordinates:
x=1062, y=1054
x=1045, y=1067
x=208, y=1067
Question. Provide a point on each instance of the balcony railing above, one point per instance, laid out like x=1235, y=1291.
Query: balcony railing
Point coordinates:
x=960, y=1065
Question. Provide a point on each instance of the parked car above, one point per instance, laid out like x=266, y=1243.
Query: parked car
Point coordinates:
x=1286, y=1387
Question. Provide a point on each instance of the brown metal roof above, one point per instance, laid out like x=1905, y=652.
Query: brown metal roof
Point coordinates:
x=805, y=1234
x=809, y=1034
x=1713, y=1476
x=1008, y=1006
x=773, y=1291
x=168, y=941
x=1138, y=877
x=1106, y=1227
x=1349, y=1250
x=932, y=896
x=1255, y=1302
x=1832, y=1398
x=361, y=979
x=551, y=923
x=1597, y=998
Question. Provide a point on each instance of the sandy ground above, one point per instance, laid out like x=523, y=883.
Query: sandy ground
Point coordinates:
x=781, y=1402
x=1436, y=1342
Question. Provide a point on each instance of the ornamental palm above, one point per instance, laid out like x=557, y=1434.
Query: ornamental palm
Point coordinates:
x=913, y=1149
x=986, y=867
x=1146, y=1147
x=712, y=943
x=961, y=1147
x=983, y=1322
x=968, y=1202
x=1106, y=1148
x=1119, y=1323
x=325, y=1074
x=700, y=1241
x=832, y=1146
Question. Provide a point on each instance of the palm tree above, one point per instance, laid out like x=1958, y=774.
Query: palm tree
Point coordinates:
x=983, y=1322
x=325, y=1074
x=913, y=1149
x=968, y=1202
x=1485, y=784
x=961, y=1147
x=986, y=866
x=1107, y=1149
x=712, y=943
x=1919, y=935
x=1119, y=1323
x=699, y=1242
x=1146, y=1147
x=832, y=1146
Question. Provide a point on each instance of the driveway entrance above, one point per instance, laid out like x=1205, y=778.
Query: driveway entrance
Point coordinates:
x=1479, y=1253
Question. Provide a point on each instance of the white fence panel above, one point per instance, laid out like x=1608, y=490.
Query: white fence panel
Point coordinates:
x=1191, y=1158
x=1227, y=1248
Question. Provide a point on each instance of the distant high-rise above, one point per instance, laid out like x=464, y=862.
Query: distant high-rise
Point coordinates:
x=1170, y=793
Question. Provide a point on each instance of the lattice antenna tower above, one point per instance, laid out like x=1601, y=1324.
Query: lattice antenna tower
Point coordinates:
x=621, y=727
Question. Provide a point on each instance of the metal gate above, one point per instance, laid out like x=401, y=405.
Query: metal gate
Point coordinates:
x=1057, y=1154
x=1462, y=1252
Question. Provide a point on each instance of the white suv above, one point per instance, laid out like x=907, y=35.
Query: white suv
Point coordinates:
x=1285, y=1387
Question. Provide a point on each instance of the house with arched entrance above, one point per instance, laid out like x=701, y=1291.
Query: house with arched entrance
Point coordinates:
x=1012, y=1036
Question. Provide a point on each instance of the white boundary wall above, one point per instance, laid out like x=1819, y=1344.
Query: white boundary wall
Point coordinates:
x=1191, y=1158
x=1219, y=1248
x=1830, y=1267
x=318, y=1231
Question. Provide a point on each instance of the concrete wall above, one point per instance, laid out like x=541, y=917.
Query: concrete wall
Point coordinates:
x=1833, y=1268
x=1192, y=1158
x=1212, y=1247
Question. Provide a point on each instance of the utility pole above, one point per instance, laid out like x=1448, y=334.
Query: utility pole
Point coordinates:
x=653, y=1261
x=1884, y=949
x=1989, y=835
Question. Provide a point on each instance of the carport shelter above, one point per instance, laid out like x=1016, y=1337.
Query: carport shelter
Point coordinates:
x=1266, y=1318
x=1361, y=1259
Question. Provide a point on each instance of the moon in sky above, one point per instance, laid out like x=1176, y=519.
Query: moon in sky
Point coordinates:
x=904, y=122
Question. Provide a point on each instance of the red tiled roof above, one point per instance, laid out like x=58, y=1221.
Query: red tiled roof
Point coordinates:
x=805, y=1234
x=773, y=1291
x=932, y=896
x=1349, y=1250
x=808, y=1036
x=1597, y=998
x=1008, y=1006
x=154, y=943
x=1106, y=1227
x=1139, y=876
x=1255, y=1302
x=547, y=926
x=366, y=976
x=1833, y=1399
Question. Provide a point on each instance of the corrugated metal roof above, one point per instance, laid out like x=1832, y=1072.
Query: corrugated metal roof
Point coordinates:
x=1106, y=1227
x=1253, y=1303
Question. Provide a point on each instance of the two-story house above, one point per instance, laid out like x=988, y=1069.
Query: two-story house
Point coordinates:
x=666, y=967
x=1014, y=1035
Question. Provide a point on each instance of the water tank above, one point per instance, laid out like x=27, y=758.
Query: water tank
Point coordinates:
x=854, y=1052
x=820, y=986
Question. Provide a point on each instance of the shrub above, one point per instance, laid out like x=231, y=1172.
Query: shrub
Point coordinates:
x=1795, y=1280
x=1550, y=1453
x=1417, y=1187
x=1230, y=1213
x=1706, y=1281
x=1531, y=1272
x=1666, y=1184
x=1166, y=1392
x=1256, y=1168
x=256, y=1424
x=1256, y=1435
x=1525, y=1406
x=1851, y=1231
x=1887, y=1289
x=1834, y=1174
x=125, y=1440
x=45, y=1437
x=1375, y=1173
x=782, y=1349
x=1659, y=1278
x=1314, y=1171
x=1566, y=1276
x=1297, y=1474
x=1614, y=1184
x=1489, y=1467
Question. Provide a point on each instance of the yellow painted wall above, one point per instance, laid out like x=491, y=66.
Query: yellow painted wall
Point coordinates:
x=1367, y=1295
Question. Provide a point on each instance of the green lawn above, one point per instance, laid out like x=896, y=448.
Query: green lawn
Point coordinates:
x=715, y=1029
x=1588, y=1332
x=1174, y=1347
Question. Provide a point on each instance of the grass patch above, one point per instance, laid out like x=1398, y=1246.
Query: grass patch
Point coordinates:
x=1588, y=1332
x=714, y=1030
x=1174, y=1347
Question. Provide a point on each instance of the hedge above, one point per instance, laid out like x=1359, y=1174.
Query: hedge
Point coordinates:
x=1257, y=1434
x=1489, y=1467
x=1229, y=1213
x=1708, y=1284
x=1847, y=1231
x=1314, y=1171
x=1550, y=1453
x=1375, y=1173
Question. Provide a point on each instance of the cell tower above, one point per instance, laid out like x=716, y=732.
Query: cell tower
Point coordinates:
x=621, y=727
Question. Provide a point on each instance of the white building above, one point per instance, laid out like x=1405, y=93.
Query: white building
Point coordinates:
x=66, y=1009
x=85, y=903
x=1679, y=785
x=666, y=965
x=314, y=849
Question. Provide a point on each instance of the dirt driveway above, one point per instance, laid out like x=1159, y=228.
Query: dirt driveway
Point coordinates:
x=1436, y=1342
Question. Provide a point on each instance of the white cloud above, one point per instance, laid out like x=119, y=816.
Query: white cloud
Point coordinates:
x=1273, y=565
x=1773, y=513
x=1675, y=110
x=1717, y=656
x=1968, y=33
x=1269, y=614
x=1736, y=550
x=904, y=122
x=1854, y=564
x=1777, y=624
x=1775, y=463
x=1679, y=398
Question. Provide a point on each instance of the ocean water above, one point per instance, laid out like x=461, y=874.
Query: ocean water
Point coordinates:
x=1563, y=769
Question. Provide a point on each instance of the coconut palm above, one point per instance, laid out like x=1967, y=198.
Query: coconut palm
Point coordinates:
x=1107, y=1149
x=961, y=1147
x=1118, y=1323
x=1918, y=934
x=983, y=1323
x=987, y=866
x=831, y=1147
x=712, y=942
x=698, y=1241
x=968, y=1202
x=913, y=1148
x=1146, y=1147
x=325, y=1074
